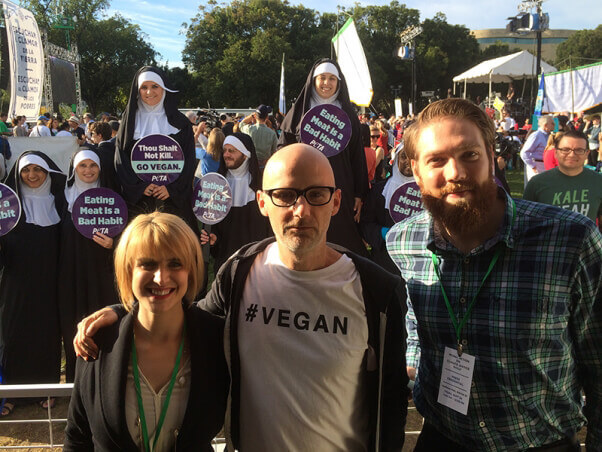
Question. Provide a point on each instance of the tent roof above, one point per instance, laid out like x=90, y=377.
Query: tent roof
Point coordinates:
x=504, y=69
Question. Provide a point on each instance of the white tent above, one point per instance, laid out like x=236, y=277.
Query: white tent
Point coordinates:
x=573, y=90
x=504, y=69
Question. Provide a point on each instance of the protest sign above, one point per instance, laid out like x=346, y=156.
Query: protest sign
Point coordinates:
x=10, y=209
x=99, y=210
x=327, y=128
x=405, y=202
x=212, y=198
x=157, y=159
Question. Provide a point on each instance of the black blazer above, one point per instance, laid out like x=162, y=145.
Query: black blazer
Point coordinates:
x=97, y=409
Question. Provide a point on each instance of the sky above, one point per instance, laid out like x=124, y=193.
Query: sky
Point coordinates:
x=163, y=22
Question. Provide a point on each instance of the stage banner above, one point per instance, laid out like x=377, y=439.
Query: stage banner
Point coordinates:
x=26, y=57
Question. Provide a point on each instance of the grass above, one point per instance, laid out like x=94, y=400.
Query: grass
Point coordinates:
x=516, y=182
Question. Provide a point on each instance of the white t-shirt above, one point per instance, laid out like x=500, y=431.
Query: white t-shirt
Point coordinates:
x=508, y=123
x=63, y=133
x=302, y=341
x=40, y=131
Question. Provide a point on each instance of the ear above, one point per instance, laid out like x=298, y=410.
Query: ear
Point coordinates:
x=336, y=202
x=261, y=200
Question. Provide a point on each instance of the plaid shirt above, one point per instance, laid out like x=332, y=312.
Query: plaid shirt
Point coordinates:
x=535, y=330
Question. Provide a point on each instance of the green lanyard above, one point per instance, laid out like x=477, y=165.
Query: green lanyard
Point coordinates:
x=167, y=398
x=454, y=319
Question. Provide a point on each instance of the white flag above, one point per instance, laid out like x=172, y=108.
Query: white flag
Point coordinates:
x=351, y=58
x=282, y=99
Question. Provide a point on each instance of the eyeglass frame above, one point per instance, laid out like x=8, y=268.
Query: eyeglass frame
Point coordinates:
x=300, y=193
x=567, y=151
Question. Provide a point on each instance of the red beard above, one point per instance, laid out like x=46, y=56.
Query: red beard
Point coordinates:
x=464, y=217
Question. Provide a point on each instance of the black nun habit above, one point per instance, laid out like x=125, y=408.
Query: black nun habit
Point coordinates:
x=244, y=223
x=86, y=268
x=178, y=127
x=28, y=292
x=349, y=166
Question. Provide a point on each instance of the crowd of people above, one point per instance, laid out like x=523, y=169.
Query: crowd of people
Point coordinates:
x=324, y=314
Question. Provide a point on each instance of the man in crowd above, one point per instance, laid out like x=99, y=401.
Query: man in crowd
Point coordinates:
x=505, y=306
x=3, y=127
x=88, y=119
x=264, y=138
x=76, y=130
x=315, y=342
x=244, y=223
x=532, y=151
x=569, y=185
x=114, y=129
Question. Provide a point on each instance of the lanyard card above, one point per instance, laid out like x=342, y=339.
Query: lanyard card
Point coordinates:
x=456, y=379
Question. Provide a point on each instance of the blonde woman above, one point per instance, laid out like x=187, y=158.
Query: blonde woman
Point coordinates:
x=160, y=380
x=210, y=158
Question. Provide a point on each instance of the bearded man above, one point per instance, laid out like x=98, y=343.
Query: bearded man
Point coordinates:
x=504, y=310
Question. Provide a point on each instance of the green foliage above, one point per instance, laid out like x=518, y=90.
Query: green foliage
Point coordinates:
x=582, y=48
x=112, y=49
x=236, y=49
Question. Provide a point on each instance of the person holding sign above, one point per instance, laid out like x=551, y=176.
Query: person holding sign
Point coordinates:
x=376, y=219
x=160, y=381
x=505, y=299
x=28, y=292
x=86, y=266
x=151, y=110
x=244, y=223
x=326, y=85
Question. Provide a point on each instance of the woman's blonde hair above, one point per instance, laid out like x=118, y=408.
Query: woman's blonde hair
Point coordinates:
x=160, y=236
x=215, y=145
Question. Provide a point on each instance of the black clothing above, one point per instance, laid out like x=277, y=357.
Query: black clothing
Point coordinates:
x=106, y=153
x=374, y=217
x=87, y=277
x=384, y=298
x=97, y=410
x=244, y=224
x=28, y=292
x=349, y=166
x=180, y=191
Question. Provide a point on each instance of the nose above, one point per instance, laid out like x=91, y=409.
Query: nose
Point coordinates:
x=454, y=170
x=161, y=276
x=300, y=208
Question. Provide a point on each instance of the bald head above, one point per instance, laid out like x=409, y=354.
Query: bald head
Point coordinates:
x=299, y=164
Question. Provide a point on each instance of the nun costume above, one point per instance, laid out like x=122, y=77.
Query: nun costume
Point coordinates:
x=28, y=292
x=244, y=223
x=349, y=166
x=376, y=219
x=145, y=115
x=86, y=266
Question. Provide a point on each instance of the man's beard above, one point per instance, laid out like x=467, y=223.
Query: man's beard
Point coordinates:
x=463, y=217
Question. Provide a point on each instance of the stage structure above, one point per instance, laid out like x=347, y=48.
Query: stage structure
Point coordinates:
x=71, y=56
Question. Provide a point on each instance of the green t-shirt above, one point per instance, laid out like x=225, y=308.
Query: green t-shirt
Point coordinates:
x=3, y=128
x=581, y=193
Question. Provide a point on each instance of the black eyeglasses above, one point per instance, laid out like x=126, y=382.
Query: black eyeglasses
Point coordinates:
x=578, y=151
x=286, y=197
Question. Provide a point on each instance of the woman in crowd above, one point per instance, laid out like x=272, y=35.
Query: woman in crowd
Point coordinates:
x=18, y=129
x=54, y=126
x=161, y=376
x=210, y=158
x=152, y=109
x=86, y=266
x=29, y=255
x=376, y=219
x=379, y=172
x=326, y=85
x=369, y=151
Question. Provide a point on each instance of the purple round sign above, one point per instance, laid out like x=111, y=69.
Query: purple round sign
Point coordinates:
x=212, y=198
x=157, y=159
x=10, y=209
x=327, y=128
x=99, y=210
x=405, y=202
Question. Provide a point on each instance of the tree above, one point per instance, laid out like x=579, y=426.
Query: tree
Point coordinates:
x=583, y=47
x=237, y=49
x=111, y=49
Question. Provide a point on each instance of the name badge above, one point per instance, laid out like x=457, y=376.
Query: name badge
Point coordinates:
x=456, y=379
